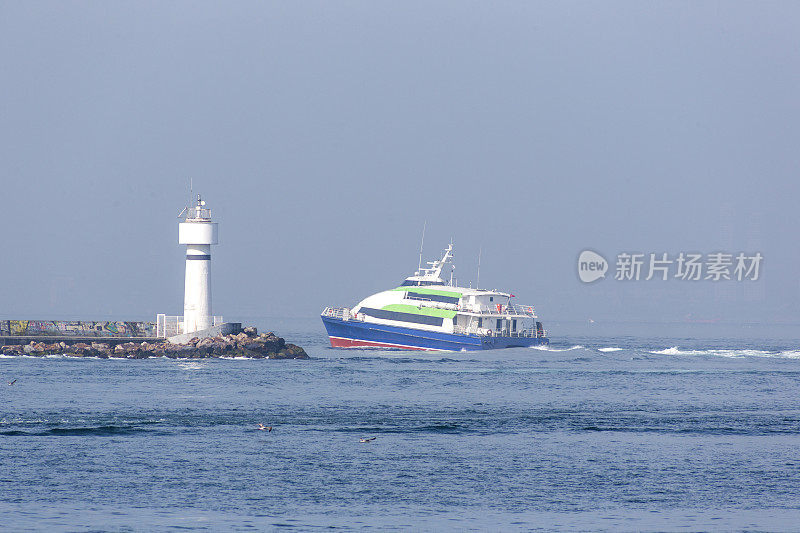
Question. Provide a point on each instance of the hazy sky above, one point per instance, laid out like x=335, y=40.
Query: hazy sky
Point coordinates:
x=323, y=135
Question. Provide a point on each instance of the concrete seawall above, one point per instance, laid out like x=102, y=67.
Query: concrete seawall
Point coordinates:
x=19, y=332
x=76, y=328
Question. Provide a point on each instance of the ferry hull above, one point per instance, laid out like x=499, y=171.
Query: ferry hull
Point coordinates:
x=356, y=334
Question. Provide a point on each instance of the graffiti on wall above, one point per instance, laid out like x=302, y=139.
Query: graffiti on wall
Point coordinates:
x=77, y=328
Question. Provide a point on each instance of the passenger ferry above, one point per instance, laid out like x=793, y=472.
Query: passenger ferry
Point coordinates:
x=424, y=313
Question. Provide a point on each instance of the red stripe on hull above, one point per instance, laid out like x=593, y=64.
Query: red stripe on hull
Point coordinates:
x=338, y=342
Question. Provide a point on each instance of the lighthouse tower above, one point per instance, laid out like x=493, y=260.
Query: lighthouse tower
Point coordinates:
x=198, y=233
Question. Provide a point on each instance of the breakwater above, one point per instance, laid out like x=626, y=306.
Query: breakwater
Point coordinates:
x=76, y=328
x=248, y=343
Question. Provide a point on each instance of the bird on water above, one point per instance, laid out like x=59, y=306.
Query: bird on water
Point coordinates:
x=262, y=427
x=12, y=382
x=370, y=439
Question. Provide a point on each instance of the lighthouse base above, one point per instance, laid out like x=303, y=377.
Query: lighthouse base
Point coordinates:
x=226, y=328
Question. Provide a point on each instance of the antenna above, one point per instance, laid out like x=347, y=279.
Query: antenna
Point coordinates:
x=452, y=263
x=478, y=281
x=421, y=244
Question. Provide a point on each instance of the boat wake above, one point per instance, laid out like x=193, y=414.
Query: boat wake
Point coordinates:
x=549, y=349
x=788, y=354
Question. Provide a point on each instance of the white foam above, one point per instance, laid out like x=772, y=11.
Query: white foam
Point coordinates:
x=745, y=352
x=548, y=349
x=668, y=351
x=610, y=349
x=192, y=366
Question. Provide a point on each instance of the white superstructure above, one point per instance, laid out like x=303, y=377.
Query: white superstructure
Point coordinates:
x=198, y=233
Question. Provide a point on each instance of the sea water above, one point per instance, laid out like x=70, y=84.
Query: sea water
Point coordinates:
x=634, y=430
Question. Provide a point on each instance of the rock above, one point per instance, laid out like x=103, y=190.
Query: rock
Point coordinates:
x=179, y=351
x=208, y=341
x=271, y=342
x=255, y=345
x=248, y=343
x=222, y=346
x=290, y=351
x=296, y=352
x=119, y=351
x=12, y=350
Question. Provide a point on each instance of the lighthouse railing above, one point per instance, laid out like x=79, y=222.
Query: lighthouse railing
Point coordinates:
x=168, y=326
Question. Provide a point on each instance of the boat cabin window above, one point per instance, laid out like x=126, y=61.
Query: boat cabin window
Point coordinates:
x=514, y=325
x=411, y=295
x=402, y=317
x=499, y=324
x=414, y=283
x=491, y=298
x=480, y=322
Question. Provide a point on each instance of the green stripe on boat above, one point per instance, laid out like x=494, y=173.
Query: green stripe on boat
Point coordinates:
x=413, y=309
x=425, y=290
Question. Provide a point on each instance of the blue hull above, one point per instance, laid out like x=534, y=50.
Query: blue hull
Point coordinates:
x=355, y=334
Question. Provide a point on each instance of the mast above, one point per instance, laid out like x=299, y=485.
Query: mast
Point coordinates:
x=452, y=265
x=478, y=281
x=421, y=244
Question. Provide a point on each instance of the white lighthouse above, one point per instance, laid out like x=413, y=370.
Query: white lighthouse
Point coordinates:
x=198, y=233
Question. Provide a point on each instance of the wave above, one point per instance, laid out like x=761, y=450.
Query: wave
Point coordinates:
x=193, y=366
x=610, y=349
x=549, y=349
x=395, y=360
x=96, y=431
x=443, y=427
x=744, y=352
x=668, y=351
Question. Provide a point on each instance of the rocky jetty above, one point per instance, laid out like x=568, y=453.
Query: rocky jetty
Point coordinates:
x=246, y=344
